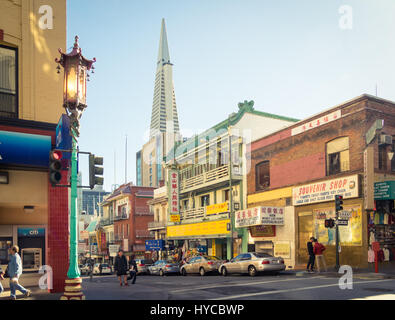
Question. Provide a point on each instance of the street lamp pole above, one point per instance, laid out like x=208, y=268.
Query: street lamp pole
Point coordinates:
x=76, y=75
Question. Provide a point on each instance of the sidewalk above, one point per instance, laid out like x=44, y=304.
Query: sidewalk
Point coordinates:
x=365, y=274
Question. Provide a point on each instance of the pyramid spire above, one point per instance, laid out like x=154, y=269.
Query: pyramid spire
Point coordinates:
x=164, y=55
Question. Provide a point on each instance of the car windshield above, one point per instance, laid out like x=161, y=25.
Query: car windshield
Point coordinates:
x=212, y=258
x=146, y=262
x=104, y=265
x=262, y=255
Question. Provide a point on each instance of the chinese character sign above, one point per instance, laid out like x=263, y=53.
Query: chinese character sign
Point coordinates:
x=174, y=192
x=317, y=123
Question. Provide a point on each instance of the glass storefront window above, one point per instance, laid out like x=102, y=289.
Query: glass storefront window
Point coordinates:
x=5, y=245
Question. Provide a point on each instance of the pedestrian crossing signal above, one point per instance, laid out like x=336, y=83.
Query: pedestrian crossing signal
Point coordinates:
x=329, y=223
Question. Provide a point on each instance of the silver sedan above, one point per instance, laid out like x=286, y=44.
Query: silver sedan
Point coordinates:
x=163, y=267
x=252, y=263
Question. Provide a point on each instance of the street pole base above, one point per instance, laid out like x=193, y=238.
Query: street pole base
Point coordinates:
x=73, y=290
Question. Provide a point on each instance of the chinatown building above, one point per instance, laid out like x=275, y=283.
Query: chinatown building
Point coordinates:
x=347, y=150
x=206, y=178
x=33, y=214
x=130, y=213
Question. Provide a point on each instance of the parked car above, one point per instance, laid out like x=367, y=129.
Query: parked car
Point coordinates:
x=143, y=265
x=105, y=269
x=164, y=267
x=85, y=269
x=252, y=263
x=201, y=265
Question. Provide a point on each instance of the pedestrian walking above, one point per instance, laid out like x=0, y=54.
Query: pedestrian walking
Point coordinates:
x=133, y=269
x=121, y=268
x=319, y=255
x=1, y=279
x=14, y=272
x=310, y=250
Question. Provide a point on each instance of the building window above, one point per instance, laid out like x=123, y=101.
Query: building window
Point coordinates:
x=383, y=157
x=338, y=156
x=8, y=82
x=226, y=195
x=205, y=200
x=262, y=175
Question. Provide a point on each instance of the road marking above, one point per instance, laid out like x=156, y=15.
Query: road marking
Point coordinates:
x=241, y=284
x=291, y=290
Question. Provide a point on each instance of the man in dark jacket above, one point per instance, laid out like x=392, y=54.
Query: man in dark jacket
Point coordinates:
x=310, y=250
x=121, y=268
x=133, y=269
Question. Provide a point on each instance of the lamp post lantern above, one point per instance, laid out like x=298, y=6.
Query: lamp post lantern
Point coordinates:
x=76, y=68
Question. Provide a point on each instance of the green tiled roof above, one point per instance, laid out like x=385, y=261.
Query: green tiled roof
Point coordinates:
x=246, y=107
x=92, y=226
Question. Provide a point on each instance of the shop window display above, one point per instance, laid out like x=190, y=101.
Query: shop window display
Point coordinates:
x=381, y=229
x=350, y=235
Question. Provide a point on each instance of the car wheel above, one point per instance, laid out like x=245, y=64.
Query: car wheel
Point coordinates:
x=202, y=272
x=252, y=271
x=224, y=272
x=161, y=273
x=184, y=272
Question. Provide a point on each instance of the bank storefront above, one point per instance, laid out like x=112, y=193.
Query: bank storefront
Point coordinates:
x=212, y=237
x=314, y=203
x=270, y=220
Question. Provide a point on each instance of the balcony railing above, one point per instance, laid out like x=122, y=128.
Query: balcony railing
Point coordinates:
x=106, y=222
x=206, y=178
x=157, y=225
x=143, y=234
x=123, y=216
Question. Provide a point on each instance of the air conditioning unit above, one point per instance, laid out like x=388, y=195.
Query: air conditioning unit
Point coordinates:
x=385, y=139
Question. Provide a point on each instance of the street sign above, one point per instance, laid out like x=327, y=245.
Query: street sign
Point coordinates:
x=342, y=222
x=345, y=215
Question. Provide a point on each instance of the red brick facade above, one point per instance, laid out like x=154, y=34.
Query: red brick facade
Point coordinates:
x=302, y=158
x=58, y=235
x=138, y=219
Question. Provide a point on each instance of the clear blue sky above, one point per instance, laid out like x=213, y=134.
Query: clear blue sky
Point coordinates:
x=290, y=57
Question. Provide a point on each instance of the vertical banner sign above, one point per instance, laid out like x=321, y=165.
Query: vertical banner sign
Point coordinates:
x=174, y=195
x=368, y=180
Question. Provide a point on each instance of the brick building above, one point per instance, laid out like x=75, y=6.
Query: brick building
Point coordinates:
x=347, y=150
x=131, y=214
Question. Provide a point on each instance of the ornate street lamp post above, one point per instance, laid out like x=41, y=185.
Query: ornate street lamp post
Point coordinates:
x=76, y=75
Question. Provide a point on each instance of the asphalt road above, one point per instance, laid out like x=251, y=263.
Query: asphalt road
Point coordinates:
x=238, y=287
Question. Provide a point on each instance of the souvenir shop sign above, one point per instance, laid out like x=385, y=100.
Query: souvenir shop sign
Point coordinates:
x=174, y=192
x=317, y=122
x=325, y=191
x=384, y=190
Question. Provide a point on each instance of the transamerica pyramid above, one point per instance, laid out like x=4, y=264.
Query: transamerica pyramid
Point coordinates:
x=164, y=109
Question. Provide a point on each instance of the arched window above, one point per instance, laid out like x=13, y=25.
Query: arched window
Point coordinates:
x=338, y=156
x=262, y=175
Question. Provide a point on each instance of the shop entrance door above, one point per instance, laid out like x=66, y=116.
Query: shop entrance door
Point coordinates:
x=305, y=224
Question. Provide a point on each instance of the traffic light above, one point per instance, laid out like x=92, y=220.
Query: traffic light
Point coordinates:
x=329, y=223
x=95, y=171
x=55, y=167
x=339, y=203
